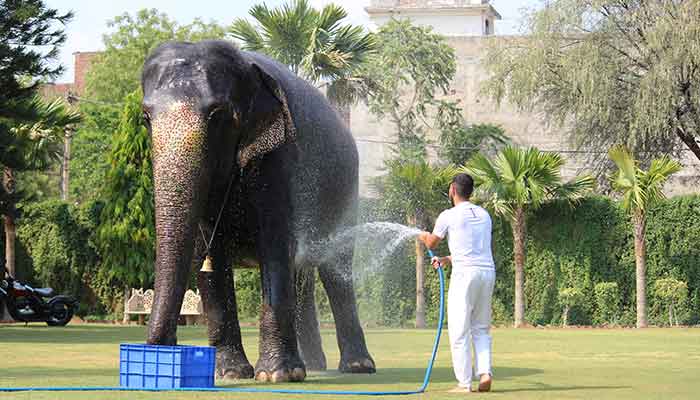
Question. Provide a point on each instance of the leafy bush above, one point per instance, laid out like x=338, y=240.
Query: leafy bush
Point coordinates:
x=607, y=301
x=248, y=292
x=570, y=297
x=57, y=238
x=672, y=295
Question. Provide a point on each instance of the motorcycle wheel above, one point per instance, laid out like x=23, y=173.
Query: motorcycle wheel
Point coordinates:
x=61, y=314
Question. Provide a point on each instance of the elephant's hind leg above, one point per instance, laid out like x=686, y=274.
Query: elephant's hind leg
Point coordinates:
x=306, y=322
x=224, y=331
x=336, y=276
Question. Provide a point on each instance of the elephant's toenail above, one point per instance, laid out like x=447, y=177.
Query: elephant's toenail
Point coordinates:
x=262, y=377
x=280, y=376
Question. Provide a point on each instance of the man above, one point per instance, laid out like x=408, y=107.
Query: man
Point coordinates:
x=471, y=284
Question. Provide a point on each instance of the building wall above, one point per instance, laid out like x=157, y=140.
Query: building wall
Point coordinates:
x=447, y=25
x=83, y=60
x=525, y=129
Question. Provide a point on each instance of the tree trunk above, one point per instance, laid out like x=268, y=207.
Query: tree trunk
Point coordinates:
x=65, y=166
x=8, y=182
x=127, y=293
x=639, y=222
x=565, y=319
x=10, y=236
x=519, y=237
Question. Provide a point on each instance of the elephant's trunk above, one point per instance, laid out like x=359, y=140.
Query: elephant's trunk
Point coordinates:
x=180, y=185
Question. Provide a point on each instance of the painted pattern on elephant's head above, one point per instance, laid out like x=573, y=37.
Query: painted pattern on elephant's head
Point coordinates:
x=179, y=141
x=209, y=95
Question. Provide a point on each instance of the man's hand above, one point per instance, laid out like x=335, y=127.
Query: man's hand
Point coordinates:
x=430, y=240
x=439, y=261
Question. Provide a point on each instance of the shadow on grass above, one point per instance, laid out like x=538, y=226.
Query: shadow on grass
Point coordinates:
x=44, y=372
x=543, y=387
x=91, y=334
x=388, y=376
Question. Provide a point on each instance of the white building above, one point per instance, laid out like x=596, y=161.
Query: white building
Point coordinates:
x=447, y=17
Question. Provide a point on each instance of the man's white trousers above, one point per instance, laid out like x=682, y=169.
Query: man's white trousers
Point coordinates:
x=469, y=320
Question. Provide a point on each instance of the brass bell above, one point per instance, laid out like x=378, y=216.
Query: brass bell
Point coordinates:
x=206, y=265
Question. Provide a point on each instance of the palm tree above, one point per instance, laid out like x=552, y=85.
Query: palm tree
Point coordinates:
x=516, y=182
x=416, y=188
x=35, y=142
x=314, y=44
x=640, y=190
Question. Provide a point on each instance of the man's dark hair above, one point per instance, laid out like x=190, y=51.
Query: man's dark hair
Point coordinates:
x=464, y=185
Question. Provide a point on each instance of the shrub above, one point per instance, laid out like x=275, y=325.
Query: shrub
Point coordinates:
x=569, y=298
x=248, y=292
x=672, y=295
x=607, y=302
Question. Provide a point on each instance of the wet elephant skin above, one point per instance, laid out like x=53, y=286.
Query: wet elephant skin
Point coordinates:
x=243, y=144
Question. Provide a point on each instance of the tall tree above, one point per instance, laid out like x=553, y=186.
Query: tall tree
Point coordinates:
x=34, y=146
x=516, y=182
x=609, y=71
x=640, y=190
x=412, y=69
x=416, y=189
x=460, y=141
x=126, y=231
x=315, y=44
x=30, y=37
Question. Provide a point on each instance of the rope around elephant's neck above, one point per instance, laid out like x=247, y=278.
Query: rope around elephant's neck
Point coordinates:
x=207, y=243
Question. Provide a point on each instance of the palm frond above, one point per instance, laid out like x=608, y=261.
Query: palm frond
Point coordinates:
x=250, y=38
x=523, y=178
x=640, y=189
x=574, y=190
x=314, y=44
x=330, y=17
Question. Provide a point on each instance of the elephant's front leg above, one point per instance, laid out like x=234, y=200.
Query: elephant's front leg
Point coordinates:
x=279, y=359
x=219, y=298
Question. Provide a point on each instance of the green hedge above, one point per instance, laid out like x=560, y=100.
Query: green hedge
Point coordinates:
x=55, y=249
x=568, y=248
x=588, y=248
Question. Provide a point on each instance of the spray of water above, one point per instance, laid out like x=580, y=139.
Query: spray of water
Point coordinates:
x=380, y=238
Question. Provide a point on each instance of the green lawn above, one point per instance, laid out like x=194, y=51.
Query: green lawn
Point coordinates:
x=529, y=363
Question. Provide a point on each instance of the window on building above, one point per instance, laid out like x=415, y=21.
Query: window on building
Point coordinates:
x=487, y=28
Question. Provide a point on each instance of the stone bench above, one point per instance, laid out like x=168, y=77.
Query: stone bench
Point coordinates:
x=141, y=302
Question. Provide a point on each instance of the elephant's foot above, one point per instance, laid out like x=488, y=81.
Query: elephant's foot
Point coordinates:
x=275, y=371
x=357, y=364
x=232, y=364
x=312, y=356
x=315, y=363
x=162, y=339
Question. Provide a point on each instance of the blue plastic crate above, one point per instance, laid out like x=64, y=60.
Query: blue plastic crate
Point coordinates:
x=166, y=367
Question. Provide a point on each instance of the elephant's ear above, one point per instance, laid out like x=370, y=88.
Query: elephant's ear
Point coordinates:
x=269, y=123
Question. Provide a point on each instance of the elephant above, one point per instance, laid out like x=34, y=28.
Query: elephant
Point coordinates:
x=251, y=166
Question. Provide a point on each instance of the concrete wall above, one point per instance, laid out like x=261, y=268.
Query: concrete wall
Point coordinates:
x=446, y=25
x=524, y=129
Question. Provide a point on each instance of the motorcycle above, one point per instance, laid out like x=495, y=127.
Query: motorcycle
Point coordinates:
x=28, y=304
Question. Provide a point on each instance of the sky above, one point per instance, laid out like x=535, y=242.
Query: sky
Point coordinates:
x=90, y=21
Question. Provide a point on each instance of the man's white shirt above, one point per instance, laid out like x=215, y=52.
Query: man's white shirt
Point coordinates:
x=468, y=227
